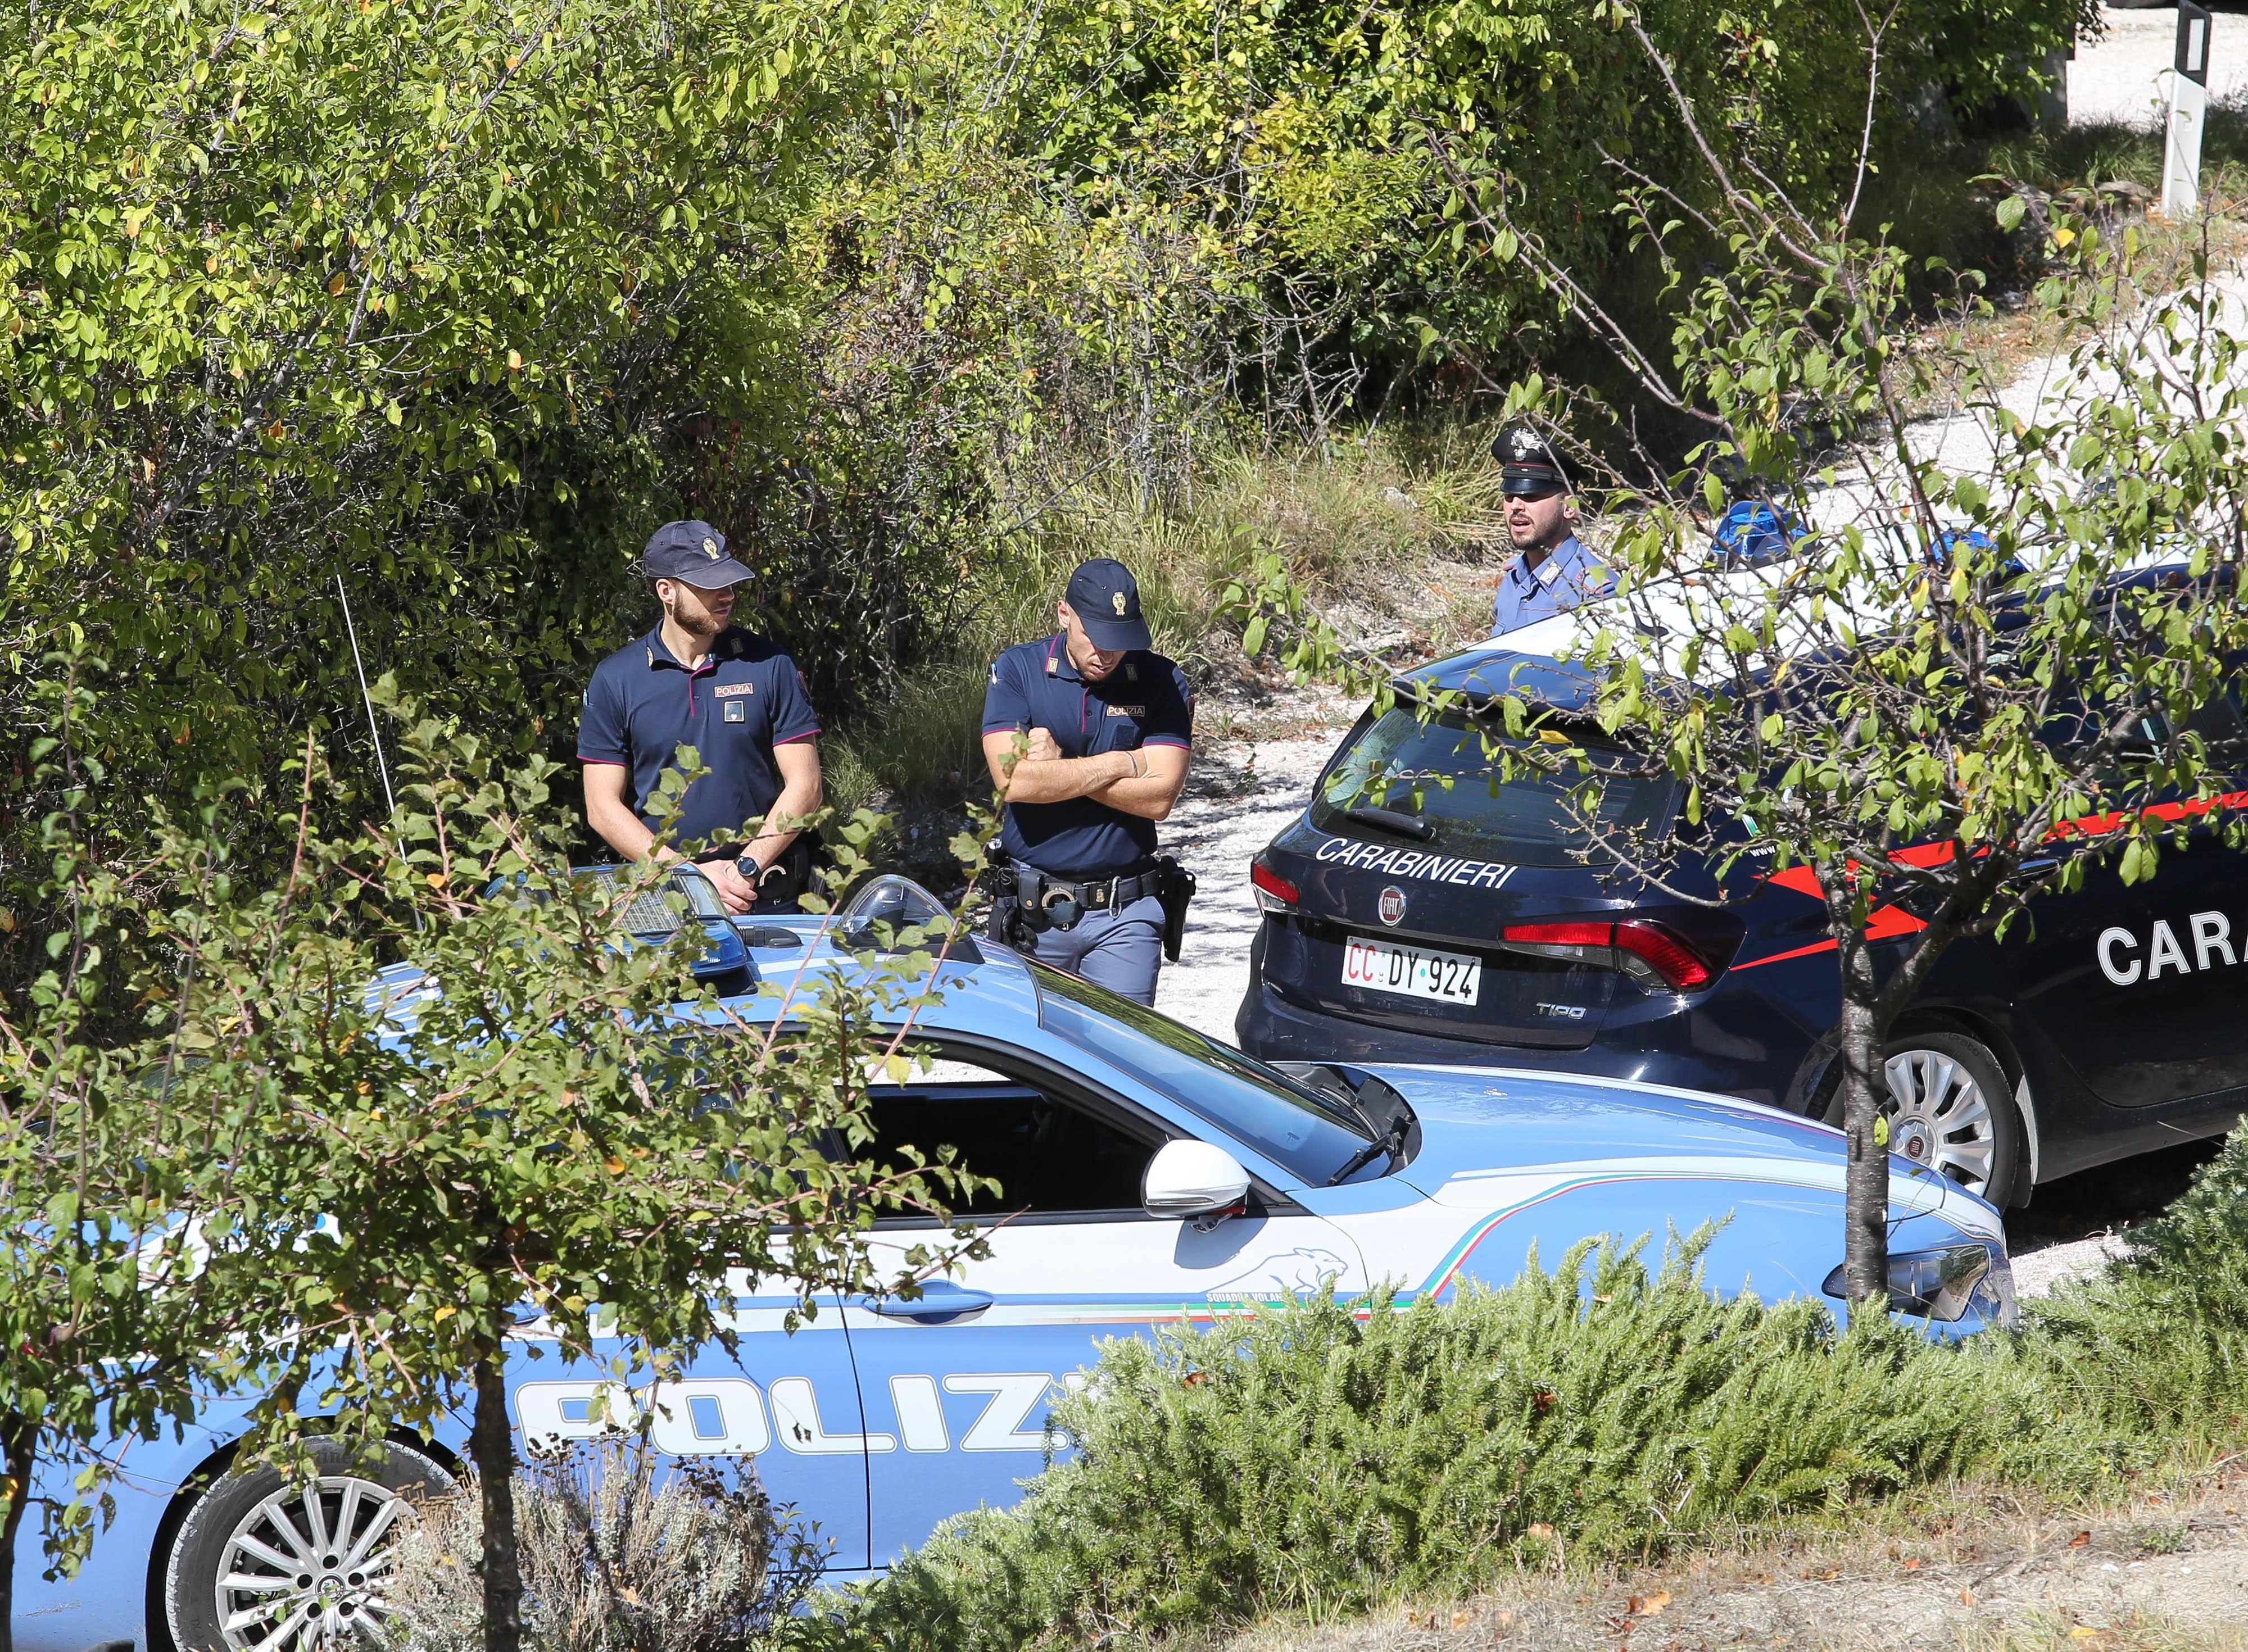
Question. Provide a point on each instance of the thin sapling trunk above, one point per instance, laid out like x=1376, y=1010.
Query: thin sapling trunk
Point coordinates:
x=19, y=1456
x=491, y=1444
x=1865, y=1187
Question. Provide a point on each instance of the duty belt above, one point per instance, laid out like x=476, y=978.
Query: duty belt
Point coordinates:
x=1104, y=894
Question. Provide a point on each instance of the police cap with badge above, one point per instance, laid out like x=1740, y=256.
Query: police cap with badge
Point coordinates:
x=1106, y=600
x=693, y=553
x=1526, y=463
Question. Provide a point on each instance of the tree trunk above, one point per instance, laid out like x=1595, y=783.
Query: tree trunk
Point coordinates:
x=1865, y=1189
x=491, y=1443
x=19, y=1458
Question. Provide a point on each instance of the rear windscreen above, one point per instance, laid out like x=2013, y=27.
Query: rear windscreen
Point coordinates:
x=1444, y=772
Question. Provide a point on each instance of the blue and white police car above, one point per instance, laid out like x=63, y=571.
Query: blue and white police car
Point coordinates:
x=1147, y=1177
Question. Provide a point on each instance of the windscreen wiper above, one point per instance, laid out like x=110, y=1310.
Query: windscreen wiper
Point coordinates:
x=1391, y=1142
x=1396, y=820
x=1325, y=1079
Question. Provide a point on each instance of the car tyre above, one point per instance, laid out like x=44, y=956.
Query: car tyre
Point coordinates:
x=341, y=1535
x=1952, y=1107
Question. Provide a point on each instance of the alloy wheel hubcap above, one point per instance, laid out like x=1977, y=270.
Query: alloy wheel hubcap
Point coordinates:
x=1939, y=1117
x=306, y=1569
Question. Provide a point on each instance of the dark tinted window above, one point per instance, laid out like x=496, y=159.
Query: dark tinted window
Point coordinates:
x=1442, y=772
x=1049, y=1155
x=2220, y=722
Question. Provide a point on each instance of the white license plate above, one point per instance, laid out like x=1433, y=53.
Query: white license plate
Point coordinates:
x=1415, y=972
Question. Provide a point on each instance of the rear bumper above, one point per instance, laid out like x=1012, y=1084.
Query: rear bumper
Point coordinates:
x=1271, y=1028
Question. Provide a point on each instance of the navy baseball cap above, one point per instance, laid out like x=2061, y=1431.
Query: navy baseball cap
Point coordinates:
x=694, y=552
x=1526, y=463
x=1106, y=598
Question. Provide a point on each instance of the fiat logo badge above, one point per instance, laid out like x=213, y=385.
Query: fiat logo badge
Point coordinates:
x=1392, y=905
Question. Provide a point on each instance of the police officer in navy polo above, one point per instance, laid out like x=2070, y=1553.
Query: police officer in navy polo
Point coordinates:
x=1089, y=733
x=1552, y=569
x=699, y=680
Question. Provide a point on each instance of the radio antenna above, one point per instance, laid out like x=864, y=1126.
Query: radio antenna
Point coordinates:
x=373, y=729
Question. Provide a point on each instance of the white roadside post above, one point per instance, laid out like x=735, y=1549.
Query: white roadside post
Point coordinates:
x=2189, y=102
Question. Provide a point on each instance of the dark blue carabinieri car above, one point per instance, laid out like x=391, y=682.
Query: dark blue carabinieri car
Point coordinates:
x=1471, y=930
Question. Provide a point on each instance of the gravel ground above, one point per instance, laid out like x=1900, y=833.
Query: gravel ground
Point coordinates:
x=2123, y=76
x=1240, y=798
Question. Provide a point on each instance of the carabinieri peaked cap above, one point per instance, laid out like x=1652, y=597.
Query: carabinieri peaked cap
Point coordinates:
x=1527, y=464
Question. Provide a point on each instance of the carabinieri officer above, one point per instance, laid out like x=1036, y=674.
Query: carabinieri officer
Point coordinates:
x=697, y=680
x=1552, y=569
x=1089, y=733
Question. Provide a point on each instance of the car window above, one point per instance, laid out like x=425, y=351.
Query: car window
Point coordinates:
x=2219, y=722
x=1052, y=1153
x=1397, y=762
x=1313, y=1136
x=2071, y=723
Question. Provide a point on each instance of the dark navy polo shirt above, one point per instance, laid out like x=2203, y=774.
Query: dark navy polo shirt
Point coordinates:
x=744, y=699
x=1144, y=701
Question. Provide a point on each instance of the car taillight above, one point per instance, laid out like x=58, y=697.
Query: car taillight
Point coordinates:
x=1651, y=954
x=1274, y=893
x=1675, y=962
x=1577, y=942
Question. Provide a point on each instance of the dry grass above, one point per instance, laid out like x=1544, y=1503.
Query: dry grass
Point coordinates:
x=2165, y=1572
x=618, y=1555
x=1391, y=534
x=2069, y=169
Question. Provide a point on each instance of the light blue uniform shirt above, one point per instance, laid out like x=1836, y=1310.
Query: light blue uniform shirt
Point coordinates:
x=1566, y=579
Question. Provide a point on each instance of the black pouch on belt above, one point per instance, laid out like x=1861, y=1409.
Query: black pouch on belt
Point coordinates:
x=1003, y=922
x=1030, y=902
x=1174, y=887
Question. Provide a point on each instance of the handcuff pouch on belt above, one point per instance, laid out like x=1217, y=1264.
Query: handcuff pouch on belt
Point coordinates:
x=1025, y=901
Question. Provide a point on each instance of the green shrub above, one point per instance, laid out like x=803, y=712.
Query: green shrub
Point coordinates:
x=1322, y=1455
x=2157, y=1345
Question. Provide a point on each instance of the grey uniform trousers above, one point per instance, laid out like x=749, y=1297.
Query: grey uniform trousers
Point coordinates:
x=1121, y=950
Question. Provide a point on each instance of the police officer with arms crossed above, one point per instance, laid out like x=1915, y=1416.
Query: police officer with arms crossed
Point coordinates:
x=1089, y=733
x=1553, y=571
x=697, y=680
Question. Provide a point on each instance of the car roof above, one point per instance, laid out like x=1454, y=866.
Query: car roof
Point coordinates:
x=987, y=990
x=1501, y=667
x=1526, y=662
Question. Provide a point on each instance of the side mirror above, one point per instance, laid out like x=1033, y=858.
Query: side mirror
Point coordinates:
x=1193, y=1178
